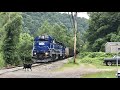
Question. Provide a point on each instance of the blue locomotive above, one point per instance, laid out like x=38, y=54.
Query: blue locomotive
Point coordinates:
x=46, y=47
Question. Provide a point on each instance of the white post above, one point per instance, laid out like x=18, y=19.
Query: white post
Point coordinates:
x=117, y=58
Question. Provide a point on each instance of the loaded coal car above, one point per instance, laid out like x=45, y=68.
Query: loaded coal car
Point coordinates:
x=46, y=47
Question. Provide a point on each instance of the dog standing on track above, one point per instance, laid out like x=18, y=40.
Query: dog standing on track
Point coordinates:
x=27, y=66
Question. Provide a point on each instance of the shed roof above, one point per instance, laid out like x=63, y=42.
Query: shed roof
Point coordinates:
x=113, y=43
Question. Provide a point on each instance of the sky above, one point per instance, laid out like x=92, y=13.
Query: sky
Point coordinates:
x=80, y=14
x=83, y=14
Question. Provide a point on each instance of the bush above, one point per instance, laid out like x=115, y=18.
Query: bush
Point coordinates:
x=94, y=57
x=2, y=63
x=95, y=54
x=91, y=60
x=82, y=55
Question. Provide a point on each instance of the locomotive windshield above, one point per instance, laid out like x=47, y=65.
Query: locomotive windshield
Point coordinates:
x=41, y=41
x=43, y=38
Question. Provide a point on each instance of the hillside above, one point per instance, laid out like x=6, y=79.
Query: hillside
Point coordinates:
x=33, y=20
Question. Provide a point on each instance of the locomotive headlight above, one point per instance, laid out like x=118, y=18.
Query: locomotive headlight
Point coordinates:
x=34, y=53
x=46, y=53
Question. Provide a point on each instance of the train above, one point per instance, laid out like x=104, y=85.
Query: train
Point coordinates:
x=45, y=47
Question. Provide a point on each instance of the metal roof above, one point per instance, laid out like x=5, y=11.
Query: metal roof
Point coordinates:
x=113, y=43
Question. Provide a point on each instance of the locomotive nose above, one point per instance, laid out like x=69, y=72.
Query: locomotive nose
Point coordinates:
x=41, y=49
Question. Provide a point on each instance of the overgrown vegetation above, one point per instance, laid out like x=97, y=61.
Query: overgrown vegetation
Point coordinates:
x=18, y=29
x=95, y=58
x=103, y=27
x=107, y=74
x=11, y=41
x=33, y=20
x=25, y=47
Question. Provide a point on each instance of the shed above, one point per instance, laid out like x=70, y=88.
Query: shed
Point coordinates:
x=112, y=47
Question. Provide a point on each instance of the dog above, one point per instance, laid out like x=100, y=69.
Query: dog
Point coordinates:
x=27, y=66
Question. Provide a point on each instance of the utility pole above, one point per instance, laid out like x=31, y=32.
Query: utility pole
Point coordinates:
x=75, y=31
x=9, y=16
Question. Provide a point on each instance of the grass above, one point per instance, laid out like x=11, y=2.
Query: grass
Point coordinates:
x=2, y=63
x=107, y=74
x=92, y=60
x=69, y=65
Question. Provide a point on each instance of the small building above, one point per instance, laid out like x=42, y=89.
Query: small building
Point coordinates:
x=112, y=47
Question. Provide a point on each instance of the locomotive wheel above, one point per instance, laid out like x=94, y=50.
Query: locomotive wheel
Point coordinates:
x=57, y=57
x=63, y=56
x=60, y=57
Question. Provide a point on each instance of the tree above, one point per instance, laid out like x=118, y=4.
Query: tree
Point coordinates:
x=11, y=41
x=33, y=20
x=75, y=30
x=59, y=32
x=25, y=47
x=102, y=25
x=46, y=28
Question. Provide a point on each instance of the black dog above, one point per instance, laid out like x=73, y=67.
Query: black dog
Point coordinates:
x=27, y=66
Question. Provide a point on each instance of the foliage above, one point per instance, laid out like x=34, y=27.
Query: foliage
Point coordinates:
x=10, y=47
x=2, y=62
x=107, y=74
x=25, y=47
x=94, y=57
x=33, y=20
x=103, y=27
x=54, y=23
x=14, y=44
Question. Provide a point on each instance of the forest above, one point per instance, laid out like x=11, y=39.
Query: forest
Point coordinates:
x=18, y=29
x=103, y=27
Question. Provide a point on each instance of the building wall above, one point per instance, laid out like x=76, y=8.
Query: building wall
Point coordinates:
x=107, y=48
x=112, y=48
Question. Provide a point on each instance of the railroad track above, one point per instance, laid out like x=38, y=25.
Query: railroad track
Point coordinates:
x=21, y=67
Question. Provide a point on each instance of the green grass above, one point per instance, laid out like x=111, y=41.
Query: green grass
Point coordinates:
x=68, y=65
x=2, y=63
x=92, y=60
x=107, y=74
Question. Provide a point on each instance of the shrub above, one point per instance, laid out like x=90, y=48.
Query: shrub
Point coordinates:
x=2, y=63
x=94, y=57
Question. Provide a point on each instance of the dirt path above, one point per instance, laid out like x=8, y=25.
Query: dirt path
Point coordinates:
x=49, y=71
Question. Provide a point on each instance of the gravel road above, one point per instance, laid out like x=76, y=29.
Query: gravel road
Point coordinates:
x=48, y=71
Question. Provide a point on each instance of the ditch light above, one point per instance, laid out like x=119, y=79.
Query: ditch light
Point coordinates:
x=118, y=74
